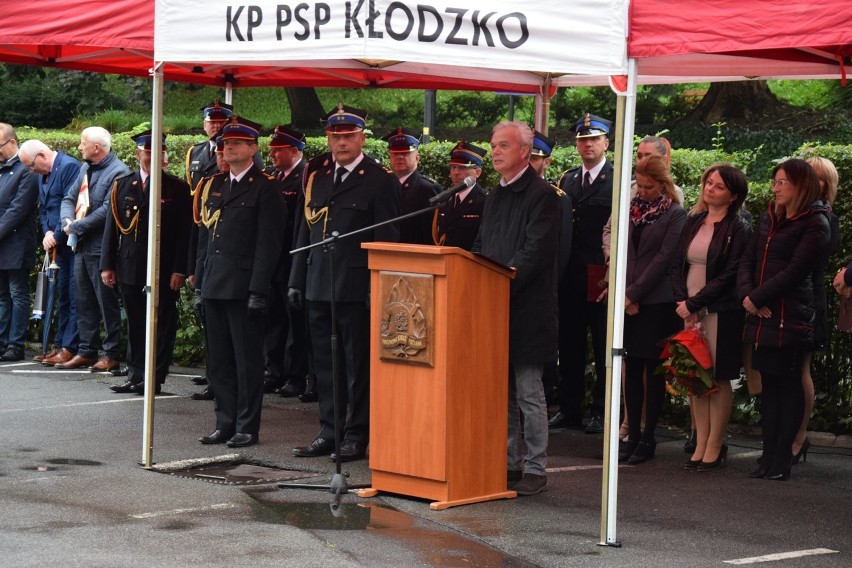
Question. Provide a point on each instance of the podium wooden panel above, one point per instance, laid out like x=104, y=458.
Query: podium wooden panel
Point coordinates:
x=438, y=430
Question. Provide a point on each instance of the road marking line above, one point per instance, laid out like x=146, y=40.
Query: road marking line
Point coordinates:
x=183, y=375
x=10, y=365
x=216, y=507
x=782, y=556
x=48, y=371
x=75, y=404
x=572, y=468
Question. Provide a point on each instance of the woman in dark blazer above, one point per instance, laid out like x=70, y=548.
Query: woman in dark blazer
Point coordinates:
x=656, y=220
x=775, y=282
x=704, y=277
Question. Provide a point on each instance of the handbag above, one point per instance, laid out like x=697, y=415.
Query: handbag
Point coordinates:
x=42, y=289
x=844, y=315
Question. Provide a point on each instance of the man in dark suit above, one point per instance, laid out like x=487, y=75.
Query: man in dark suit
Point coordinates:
x=56, y=172
x=590, y=189
x=417, y=189
x=345, y=192
x=239, y=245
x=124, y=259
x=18, y=198
x=456, y=223
x=286, y=344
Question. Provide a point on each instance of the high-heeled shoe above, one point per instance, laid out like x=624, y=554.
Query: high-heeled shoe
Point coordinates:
x=780, y=476
x=803, y=452
x=759, y=473
x=643, y=452
x=691, y=465
x=625, y=450
x=718, y=463
x=691, y=442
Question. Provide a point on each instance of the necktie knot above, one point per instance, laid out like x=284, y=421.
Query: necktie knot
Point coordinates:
x=587, y=180
x=338, y=175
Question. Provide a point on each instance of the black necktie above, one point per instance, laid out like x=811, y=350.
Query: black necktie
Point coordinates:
x=338, y=176
x=587, y=180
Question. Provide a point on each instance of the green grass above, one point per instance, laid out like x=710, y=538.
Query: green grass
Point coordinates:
x=814, y=94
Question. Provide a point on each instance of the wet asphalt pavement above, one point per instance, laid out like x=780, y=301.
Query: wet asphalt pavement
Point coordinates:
x=73, y=494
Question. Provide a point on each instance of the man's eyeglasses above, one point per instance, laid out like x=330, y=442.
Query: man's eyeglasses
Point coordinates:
x=31, y=165
x=779, y=182
x=6, y=142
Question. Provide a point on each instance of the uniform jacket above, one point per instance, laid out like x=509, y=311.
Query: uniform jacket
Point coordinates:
x=368, y=195
x=457, y=226
x=18, y=197
x=729, y=240
x=90, y=229
x=520, y=228
x=649, y=267
x=291, y=190
x=591, y=210
x=127, y=254
x=775, y=271
x=62, y=176
x=414, y=196
x=200, y=163
x=238, y=254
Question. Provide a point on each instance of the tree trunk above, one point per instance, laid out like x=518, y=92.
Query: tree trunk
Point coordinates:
x=306, y=111
x=738, y=100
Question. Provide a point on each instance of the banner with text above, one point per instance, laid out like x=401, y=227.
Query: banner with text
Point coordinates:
x=558, y=36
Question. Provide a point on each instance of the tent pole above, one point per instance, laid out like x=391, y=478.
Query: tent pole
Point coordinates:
x=542, y=106
x=624, y=119
x=229, y=93
x=152, y=279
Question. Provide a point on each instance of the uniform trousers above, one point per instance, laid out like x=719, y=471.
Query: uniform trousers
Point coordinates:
x=235, y=364
x=95, y=301
x=136, y=306
x=526, y=397
x=353, y=367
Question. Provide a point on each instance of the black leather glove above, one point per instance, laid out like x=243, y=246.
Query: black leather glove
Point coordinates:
x=198, y=308
x=257, y=305
x=295, y=298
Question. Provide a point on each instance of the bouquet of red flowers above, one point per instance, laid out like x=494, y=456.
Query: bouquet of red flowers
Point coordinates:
x=688, y=364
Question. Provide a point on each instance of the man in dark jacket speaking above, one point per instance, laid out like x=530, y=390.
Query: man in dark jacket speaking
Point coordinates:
x=520, y=228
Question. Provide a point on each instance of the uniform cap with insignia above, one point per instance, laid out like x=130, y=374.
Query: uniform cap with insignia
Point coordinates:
x=214, y=110
x=542, y=145
x=402, y=140
x=239, y=128
x=285, y=137
x=590, y=125
x=466, y=154
x=220, y=145
x=345, y=120
x=143, y=140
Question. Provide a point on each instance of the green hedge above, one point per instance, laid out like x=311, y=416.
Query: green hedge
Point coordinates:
x=832, y=376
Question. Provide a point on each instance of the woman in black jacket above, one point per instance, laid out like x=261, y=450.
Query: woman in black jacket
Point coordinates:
x=704, y=275
x=775, y=283
x=656, y=220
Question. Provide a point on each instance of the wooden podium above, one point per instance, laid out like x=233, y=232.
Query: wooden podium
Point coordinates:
x=439, y=358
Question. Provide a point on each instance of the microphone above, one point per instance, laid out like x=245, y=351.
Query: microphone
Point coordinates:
x=442, y=197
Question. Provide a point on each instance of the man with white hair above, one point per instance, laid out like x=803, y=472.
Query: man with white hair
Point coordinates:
x=56, y=173
x=18, y=196
x=83, y=213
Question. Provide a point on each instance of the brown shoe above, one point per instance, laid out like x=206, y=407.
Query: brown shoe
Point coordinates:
x=104, y=364
x=42, y=356
x=61, y=356
x=76, y=362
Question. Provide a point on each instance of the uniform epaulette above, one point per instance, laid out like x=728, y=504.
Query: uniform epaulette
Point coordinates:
x=565, y=173
x=125, y=176
x=269, y=176
x=430, y=180
x=559, y=192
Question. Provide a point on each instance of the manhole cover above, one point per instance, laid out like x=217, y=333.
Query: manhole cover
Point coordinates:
x=237, y=473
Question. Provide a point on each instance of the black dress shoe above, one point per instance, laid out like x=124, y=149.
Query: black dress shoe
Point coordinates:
x=594, y=426
x=199, y=380
x=241, y=440
x=561, y=420
x=319, y=447
x=271, y=385
x=139, y=388
x=206, y=394
x=127, y=388
x=310, y=394
x=13, y=353
x=119, y=371
x=293, y=387
x=217, y=437
x=350, y=451
x=309, y=397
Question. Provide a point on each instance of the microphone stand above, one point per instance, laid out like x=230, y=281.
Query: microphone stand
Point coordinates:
x=338, y=485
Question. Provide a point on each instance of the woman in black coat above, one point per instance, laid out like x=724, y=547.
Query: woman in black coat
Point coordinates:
x=704, y=276
x=656, y=220
x=776, y=285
